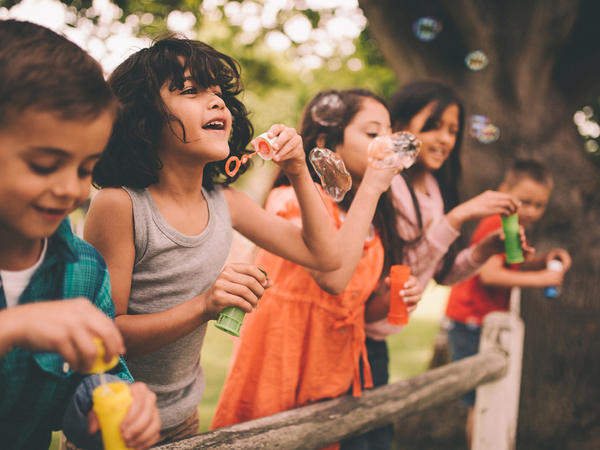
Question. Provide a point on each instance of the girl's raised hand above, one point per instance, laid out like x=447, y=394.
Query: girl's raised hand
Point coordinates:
x=379, y=178
x=239, y=284
x=483, y=205
x=289, y=153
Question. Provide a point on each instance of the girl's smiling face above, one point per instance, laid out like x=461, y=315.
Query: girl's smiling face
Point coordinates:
x=437, y=142
x=200, y=122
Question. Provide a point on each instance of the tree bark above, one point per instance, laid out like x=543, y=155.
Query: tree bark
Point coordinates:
x=544, y=61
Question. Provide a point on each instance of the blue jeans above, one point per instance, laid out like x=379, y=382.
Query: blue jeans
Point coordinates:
x=75, y=423
x=379, y=438
x=464, y=342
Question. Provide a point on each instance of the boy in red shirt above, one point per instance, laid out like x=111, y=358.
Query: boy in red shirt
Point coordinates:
x=469, y=302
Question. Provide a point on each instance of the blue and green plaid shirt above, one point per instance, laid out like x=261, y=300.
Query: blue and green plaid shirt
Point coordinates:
x=35, y=388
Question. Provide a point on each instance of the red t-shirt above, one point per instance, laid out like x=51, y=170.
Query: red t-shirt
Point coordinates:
x=471, y=300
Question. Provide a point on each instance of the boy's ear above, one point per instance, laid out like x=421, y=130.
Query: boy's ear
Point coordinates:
x=503, y=187
x=321, y=140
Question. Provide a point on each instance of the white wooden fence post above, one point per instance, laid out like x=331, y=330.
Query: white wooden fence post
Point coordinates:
x=497, y=404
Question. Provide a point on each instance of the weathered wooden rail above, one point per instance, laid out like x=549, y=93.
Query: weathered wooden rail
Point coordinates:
x=495, y=370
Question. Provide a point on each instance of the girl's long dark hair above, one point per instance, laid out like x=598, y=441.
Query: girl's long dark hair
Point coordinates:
x=131, y=157
x=333, y=135
x=404, y=105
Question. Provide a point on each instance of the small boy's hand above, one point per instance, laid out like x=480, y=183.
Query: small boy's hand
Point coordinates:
x=141, y=426
x=551, y=277
x=289, y=153
x=411, y=293
x=67, y=327
x=562, y=255
x=239, y=284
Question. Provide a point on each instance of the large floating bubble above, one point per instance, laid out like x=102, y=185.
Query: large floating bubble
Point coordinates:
x=483, y=130
x=476, y=60
x=328, y=110
x=335, y=179
x=398, y=150
x=426, y=28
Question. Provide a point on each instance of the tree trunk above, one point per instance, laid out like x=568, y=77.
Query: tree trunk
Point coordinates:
x=544, y=61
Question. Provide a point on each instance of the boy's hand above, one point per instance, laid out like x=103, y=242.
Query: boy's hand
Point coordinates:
x=411, y=293
x=289, y=153
x=493, y=244
x=560, y=254
x=239, y=284
x=67, y=327
x=140, y=427
x=551, y=277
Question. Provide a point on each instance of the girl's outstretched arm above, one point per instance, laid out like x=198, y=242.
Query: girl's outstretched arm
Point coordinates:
x=313, y=245
x=238, y=285
x=355, y=229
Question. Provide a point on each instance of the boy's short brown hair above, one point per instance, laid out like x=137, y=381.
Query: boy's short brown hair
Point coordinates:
x=528, y=169
x=42, y=70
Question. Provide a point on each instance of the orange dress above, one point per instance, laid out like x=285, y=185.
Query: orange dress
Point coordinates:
x=301, y=344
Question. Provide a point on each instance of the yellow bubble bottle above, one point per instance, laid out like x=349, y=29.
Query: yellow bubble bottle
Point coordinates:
x=111, y=403
x=100, y=365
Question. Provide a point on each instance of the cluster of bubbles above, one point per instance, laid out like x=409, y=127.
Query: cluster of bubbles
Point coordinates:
x=588, y=127
x=427, y=29
x=330, y=168
x=398, y=150
x=328, y=110
x=483, y=130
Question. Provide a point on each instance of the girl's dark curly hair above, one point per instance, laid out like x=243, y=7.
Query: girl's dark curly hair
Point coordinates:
x=350, y=101
x=131, y=157
x=407, y=103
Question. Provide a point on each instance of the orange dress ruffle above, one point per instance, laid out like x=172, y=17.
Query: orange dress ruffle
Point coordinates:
x=301, y=345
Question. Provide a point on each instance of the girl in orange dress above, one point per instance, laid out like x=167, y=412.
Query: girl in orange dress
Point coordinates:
x=306, y=341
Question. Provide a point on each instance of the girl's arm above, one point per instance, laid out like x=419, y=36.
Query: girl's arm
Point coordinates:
x=355, y=229
x=493, y=273
x=313, y=245
x=238, y=285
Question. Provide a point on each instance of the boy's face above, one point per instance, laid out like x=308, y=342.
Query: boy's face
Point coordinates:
x=534, y=198
x=45, y=169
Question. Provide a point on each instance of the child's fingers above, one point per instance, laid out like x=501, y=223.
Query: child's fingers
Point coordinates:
x=93, y=424
x=141, y=426
x=291, y=148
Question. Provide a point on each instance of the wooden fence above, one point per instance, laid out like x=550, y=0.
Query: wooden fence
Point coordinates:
x=495, y=371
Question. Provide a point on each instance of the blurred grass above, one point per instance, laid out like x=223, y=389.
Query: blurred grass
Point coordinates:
x=410, y=352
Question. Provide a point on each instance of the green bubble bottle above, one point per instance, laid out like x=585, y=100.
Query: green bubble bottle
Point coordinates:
x=231, y=318
x=512, y=240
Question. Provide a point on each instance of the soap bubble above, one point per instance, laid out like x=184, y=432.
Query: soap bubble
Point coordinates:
x=328, y=110
x=335, y=179
x=476, y=60
x=426, y=28
x=483, y=130
x=397, y=150
x=591, y=146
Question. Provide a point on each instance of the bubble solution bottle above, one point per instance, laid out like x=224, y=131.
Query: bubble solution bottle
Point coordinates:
x=231, y=318
x=553, y=291
x=512, y=242
x=111, y=402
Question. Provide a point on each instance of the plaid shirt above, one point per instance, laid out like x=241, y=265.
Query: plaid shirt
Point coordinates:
x=35, y=388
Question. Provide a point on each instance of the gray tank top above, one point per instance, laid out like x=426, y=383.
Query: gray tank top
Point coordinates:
x=169, y=269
